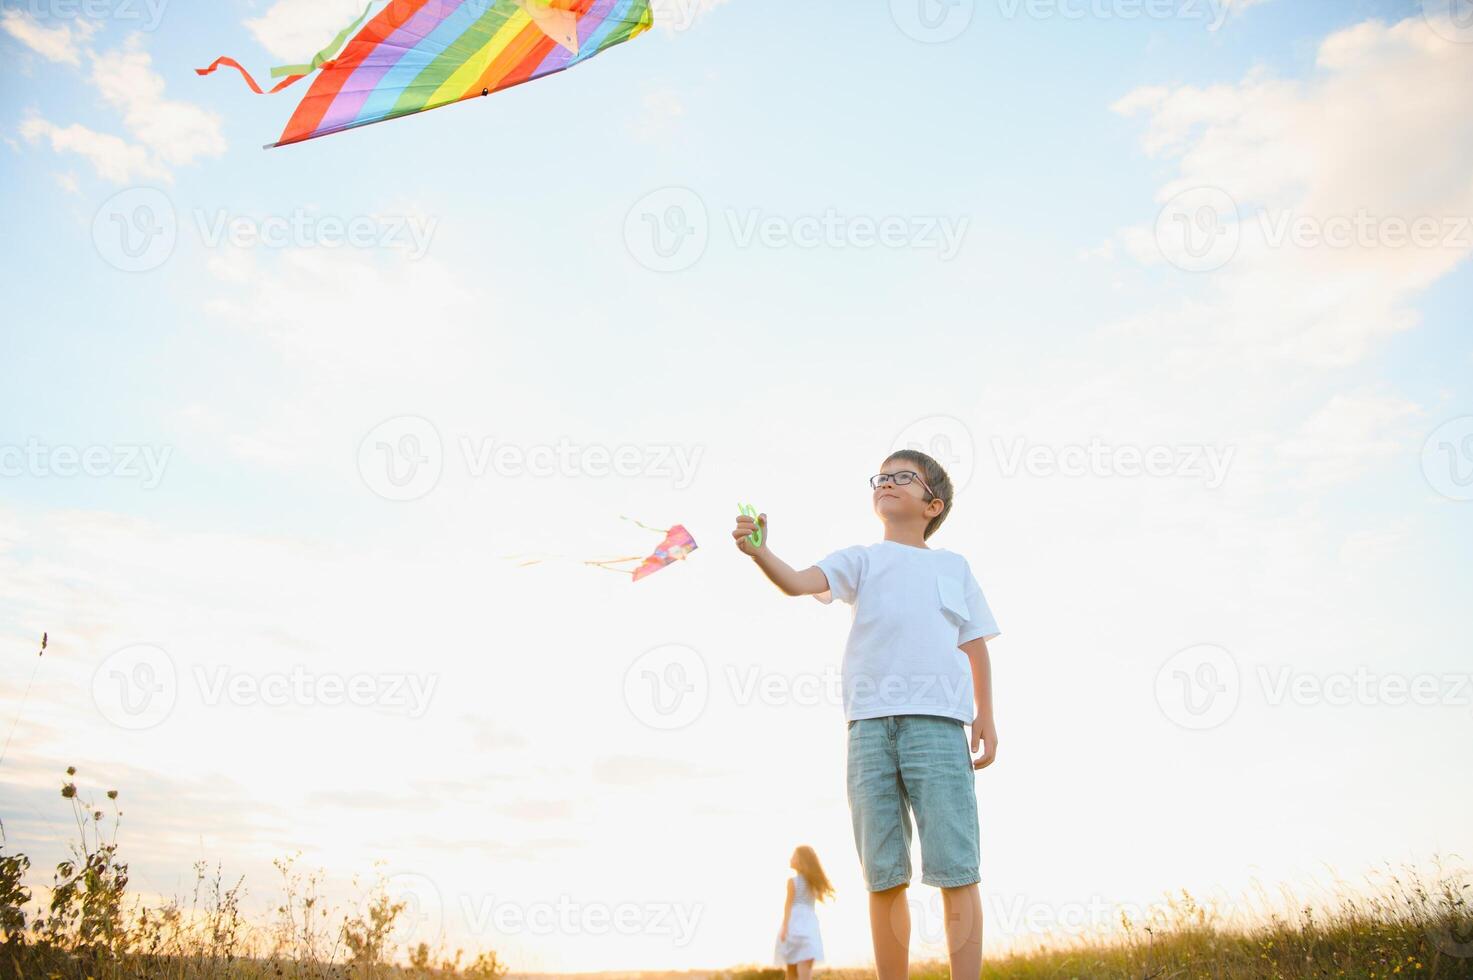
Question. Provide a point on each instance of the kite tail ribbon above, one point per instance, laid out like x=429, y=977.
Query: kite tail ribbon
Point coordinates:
x=294, y=73
x=232, y=63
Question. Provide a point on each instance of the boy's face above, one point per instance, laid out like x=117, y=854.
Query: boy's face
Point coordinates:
x=896, y=502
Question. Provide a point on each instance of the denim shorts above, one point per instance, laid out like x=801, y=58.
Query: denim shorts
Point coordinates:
x=919, y=764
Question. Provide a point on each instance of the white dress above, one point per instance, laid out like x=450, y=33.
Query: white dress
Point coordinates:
x=804, y=941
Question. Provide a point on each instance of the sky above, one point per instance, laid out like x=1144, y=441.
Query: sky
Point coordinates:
x=1178, y=291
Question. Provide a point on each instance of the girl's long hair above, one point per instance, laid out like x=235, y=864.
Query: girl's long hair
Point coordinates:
x=812, y=872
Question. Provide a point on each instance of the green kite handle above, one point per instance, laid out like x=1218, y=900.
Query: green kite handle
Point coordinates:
x=755, y=538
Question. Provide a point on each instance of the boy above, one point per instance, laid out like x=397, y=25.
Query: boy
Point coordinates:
x=916, y=671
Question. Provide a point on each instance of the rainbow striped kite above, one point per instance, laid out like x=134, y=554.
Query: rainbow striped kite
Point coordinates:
x=421, y=54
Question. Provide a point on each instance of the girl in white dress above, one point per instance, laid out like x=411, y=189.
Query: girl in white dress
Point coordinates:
x=799, y=942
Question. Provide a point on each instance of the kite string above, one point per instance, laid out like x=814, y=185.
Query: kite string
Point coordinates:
x=657, y=530
x=608, y=564
x=23, y=701
x=523, y=561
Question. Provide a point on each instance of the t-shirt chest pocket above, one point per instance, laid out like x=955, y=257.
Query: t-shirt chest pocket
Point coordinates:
x=953, y=599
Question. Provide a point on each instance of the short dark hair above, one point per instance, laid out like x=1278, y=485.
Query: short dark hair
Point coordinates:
x=935, y=478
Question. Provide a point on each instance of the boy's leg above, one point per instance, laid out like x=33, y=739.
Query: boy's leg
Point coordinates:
x=963, y=909
x=880, y=811
x=889, y=924
x=936, y=770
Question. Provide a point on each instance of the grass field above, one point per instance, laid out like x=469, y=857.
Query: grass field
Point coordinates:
x=87, y=926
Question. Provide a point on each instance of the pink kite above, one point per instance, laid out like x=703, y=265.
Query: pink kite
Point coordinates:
x=677, y=546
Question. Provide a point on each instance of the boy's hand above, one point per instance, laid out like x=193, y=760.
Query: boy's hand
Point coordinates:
x=986, y=735
x=744, y=528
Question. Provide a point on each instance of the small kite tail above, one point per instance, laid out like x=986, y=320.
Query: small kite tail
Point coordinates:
x=294, y=73
x=657, y=530
x=232, y=63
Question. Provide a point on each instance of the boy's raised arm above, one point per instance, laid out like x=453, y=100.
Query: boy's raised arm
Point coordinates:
x=809, y=581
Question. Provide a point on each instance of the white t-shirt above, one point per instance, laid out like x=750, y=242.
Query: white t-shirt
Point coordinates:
x=912, y=608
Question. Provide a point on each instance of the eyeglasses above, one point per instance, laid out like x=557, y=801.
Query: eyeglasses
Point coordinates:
x=901, y=479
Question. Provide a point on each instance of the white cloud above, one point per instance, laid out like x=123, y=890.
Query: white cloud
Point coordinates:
x=113, y=158
x=1314, y=158
x=168, y=132
x=338, y=316
x=294, y=30
x=58, y=43
x=1348, y=436
x=175, y=132
x=661, y=111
